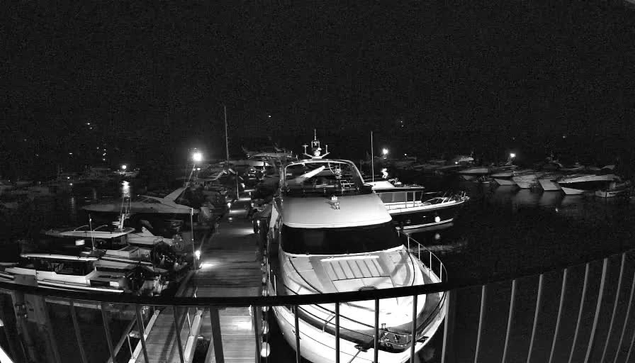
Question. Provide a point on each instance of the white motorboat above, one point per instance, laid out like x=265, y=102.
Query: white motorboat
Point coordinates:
x=527, y=178
x=85, y=272
x=412, y=208
x=586, y=183
x=328, y=233
x=474, y=172
x=548, y=181
x=175, y=204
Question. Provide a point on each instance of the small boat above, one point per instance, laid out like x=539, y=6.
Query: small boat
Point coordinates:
x=412, y=208
x=474, y=172
x=578, y=184
x=615, y=189
x=85, y=272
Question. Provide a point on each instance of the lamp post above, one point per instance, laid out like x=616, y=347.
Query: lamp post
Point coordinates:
x=197, y=157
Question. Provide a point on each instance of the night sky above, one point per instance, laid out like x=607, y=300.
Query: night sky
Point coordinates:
x=428, y=77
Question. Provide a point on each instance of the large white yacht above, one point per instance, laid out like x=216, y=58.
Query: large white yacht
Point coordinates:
x=577, y=184
x=330, y=233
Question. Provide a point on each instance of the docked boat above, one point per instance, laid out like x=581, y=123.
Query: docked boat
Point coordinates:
x=474, y=172
x=526, y=179
x=85, y=272
x=182, y=202
x=615, y=189
x=548, y=182
x=328, y=233
x=578, y=184
x=412, y=208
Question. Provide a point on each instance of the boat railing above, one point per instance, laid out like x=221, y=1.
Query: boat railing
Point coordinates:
x=429, y=259
x=580, y=310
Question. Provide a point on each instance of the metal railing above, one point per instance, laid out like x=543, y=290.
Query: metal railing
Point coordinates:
x=580, y=313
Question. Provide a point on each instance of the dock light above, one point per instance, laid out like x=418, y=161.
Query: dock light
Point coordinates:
x=197, y=156
x=197, y=254
x=265, y=350
x=124, y=167
x=512, y=155
x=80, y=242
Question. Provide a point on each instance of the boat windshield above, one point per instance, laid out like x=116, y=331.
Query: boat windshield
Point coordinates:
x=322, y=175
x=336, y=241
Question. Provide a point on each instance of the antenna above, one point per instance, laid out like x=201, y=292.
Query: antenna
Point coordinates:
x=90, y=226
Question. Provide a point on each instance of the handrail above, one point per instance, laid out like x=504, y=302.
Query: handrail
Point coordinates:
x=243, y=301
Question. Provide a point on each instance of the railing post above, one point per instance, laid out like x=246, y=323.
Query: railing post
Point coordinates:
x=376, y=336
x=78, y=334
x=536, y=314
x=104, y=318
x=481, y=317
x=413, y=332
x=597, y=311
x=628, y=315
x=296, y=323
x=563, y=290
x=217, y=338
x=615, y=303
x=337, y=332
x=582, y=298
x=141, y=333
x=510, y=316
x=448, y=326
x=177, y=332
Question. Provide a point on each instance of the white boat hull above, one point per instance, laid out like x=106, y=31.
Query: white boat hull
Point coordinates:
x=505, y=182
x=549, y=185
x=572, y=191
x=318, y=346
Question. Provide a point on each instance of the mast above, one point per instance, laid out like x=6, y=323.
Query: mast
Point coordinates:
x=226, y=136
x=372, y=157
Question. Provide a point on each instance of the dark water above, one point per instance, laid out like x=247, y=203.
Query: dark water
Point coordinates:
x=502, y=232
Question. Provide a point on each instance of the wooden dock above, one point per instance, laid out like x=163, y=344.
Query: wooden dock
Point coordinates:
x=229, y=266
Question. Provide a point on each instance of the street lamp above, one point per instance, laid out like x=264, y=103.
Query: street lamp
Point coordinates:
x=512, y=155
x=384, y=152
x=124, y=167
x=197, y=156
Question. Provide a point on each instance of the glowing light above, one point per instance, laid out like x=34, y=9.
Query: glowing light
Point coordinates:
x=265, y=327
x=437, y=219
x=124, y=167
x=512, y=155
x=80, y=242
x=197, y=254
x=384, y=151
x=197, y=157
x=437, y=237
x=206, y=265
x=70, y=153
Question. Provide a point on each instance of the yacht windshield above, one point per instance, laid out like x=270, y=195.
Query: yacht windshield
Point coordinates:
x=336, y=241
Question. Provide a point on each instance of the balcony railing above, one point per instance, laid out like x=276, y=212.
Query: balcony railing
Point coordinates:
x=580, y=313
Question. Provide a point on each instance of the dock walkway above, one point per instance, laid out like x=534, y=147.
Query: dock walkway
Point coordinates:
x=229, y=266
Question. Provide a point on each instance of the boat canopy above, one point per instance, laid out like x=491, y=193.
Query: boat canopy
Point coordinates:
x=333, y=211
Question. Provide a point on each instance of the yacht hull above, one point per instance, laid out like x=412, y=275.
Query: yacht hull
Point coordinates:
x=572, y=191
x=318, y=346
x=424, y=217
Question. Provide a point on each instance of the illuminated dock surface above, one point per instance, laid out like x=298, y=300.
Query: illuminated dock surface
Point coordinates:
x=230, y=266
